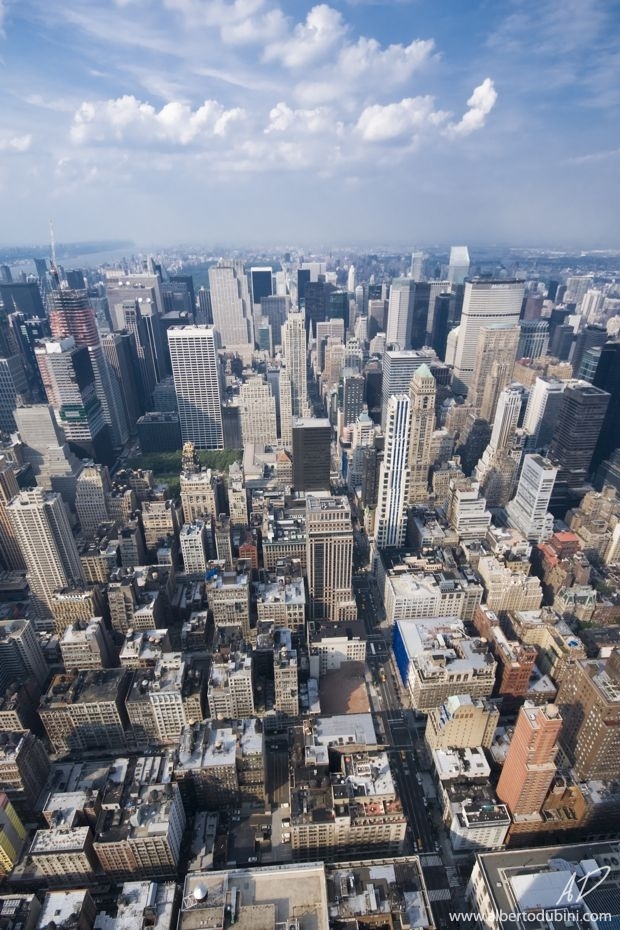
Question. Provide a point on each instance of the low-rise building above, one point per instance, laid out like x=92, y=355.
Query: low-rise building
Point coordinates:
x=87, y=644
x=207, y=766
x=461, y=721
x=331, y=644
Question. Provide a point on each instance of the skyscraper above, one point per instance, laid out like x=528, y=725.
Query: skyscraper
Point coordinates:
x=574, y=439
x=607, y=378
x=458, y=268
x=11, y=557
x=528, y=511
x=495, y=358
x=394, y=475
x=533, y=339
x=69, y=382
x=262, y=283
x=294, y=348
x=258, y=413
x=399, y=368
x=231, y=304
x=422, y=395
x=42, y=530
x=542, y=410
x=485, y=303
x=311, y=454
x=530, y=768
x=72, y=315
x=400, y=313
x=128, y=317
x=329, y=557
x=196, y=373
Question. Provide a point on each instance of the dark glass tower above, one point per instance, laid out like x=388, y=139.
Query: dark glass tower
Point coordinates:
x=311, y=454
x=581, y=415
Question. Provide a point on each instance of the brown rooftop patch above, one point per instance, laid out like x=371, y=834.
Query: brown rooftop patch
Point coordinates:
x=344, y=691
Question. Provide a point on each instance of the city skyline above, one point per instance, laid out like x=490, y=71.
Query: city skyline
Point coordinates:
x=246, y=121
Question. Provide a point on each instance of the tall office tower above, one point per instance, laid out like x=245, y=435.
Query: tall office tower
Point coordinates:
x=377, y=317
x=205, y=310
x=528, y=511
x=533, y=339
x=394, y=475
x=329, y=556
x=71, y=314
x=120, y=351
x=592, y=337
x=13, y=390
x=302, y=281
x=285, y=398
x=530, y=766
x=69, y=381
x=422, y=396
x=435, y=289
x=607, y=378
x=261, y=280
x=400, y=314
x=316, y=302
x=495, y=358
x=294, y=348
x=128, y=293
x=11, y=558
x=581, y=416
x=576, y=288
x=592, y=306
x=338, y=307
x=276, y=309
x=107, y=389
x=458, y=268
x=542, y=410
x=588, y=702
x=46, y=451
x=232, y=308
x=127, y=316
x=485, y=303
x=311, y=454
x=21, y=655
x=258, y=413
x=27, y=333
x=42, y=530
x=92, y=485
x=351, y=396
x=417, y=265
x=196, y=373
x=398, y=369
x=192, y=539
x=21, y=297
x=5, y=275
x=506, y=419
x=351, y=279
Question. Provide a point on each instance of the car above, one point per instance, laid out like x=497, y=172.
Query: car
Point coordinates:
x=252, y=858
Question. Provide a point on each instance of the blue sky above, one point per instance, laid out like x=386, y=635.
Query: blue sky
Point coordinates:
x=402, y=122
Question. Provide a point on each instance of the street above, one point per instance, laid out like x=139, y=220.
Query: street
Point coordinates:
x=402, y=732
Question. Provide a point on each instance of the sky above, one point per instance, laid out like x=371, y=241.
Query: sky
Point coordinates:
x=258, y=122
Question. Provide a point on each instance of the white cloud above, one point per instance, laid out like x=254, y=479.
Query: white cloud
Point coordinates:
x=18, y=144
x=480, y=105
x=320, y=120
x=242, y=22
x=362, y=67
x=311, y=40
x=396, y=120
x=127, y=119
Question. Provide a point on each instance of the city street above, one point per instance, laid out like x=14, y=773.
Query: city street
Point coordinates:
x=402, y=732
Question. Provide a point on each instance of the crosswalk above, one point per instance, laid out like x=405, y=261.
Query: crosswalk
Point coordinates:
x=453, y=877
x=439, y=894
x=429, y=859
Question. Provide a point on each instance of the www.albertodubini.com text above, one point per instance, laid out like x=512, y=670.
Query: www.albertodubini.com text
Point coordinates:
x=475, y=918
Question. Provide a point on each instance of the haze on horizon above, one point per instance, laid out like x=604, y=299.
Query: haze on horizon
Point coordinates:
x=257, y=121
